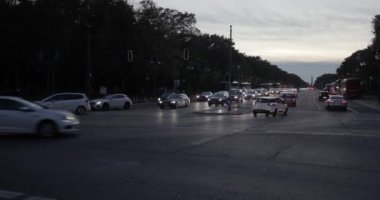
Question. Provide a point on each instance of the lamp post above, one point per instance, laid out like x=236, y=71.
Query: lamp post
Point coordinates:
x=230, y=60
x=238, y=73
x=377, y=58
x=155, y=63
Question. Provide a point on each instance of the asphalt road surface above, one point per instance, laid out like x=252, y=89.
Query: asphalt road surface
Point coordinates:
x=201, y=153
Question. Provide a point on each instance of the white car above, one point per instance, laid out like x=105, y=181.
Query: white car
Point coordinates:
x=75, y=102
x=269, y=105
x=21, y=116
x=114, y=101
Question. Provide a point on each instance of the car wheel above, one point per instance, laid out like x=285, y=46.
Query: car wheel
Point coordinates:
x=162, y=107
x=266, y=114
x=209, y=104
x=105, y=106
x=81, y=110
x=47, y=129
x=126, y=106
x=274, y=114
x=254, y=113
x=286, y=111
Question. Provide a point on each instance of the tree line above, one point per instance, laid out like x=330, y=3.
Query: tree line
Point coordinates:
x=48, y=46
x=363, y=64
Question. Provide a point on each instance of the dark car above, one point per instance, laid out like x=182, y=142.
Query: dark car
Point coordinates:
x=164, y=96
x=173, y=101
x=218, y=98
x=203, y=96
x=289, y=98
x=236, y=95
x=323, y=95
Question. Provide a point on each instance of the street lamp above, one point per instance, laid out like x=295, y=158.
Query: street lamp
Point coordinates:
x=155, y=63
x=238, y=73
x=377, y=58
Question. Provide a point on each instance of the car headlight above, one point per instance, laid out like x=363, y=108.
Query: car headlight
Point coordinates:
x=220, y=99
x=98, y=103
x=160, y=102
x=206, y=96
x=208, y=99
x=159, y=99
x=197, y=96
x=172, y=101
x=70, y=118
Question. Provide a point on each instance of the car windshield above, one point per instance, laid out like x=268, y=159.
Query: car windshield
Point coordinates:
x=31, y=104
x=337, y=97
x=205, y=93
x=218, y=95
x=174, y=96
x=288, y=95
x=107, y=97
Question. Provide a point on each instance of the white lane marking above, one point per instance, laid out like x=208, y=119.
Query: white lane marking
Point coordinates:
x=38, y=198
x=350, y=109
x=131, y=163
x=324, y=133
x=9, y=194
x=316, y=103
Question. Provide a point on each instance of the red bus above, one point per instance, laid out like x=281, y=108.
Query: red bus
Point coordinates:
x=350, y=88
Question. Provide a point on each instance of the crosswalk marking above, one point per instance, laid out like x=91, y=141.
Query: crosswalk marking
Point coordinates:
x=352, y=133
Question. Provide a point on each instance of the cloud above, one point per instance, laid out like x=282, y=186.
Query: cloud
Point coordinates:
x=306, y=70
x=288, y=30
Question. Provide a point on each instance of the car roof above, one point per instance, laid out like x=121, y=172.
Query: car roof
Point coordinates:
x=10, y=97
x=336, y=95
x=267, y=97
x=68, y=93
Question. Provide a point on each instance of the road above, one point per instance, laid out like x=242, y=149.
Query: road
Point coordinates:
x=192, y=153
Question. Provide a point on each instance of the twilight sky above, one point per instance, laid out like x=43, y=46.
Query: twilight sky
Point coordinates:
x=305, y=37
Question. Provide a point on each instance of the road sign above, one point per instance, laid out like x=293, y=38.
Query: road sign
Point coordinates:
x=130, y=56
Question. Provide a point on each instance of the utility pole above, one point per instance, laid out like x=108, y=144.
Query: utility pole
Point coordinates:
x=230, y=61
x=377, y=58
x=88, y=70
x=312, y=81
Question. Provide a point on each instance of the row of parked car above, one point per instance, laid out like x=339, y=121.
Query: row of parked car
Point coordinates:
x=79, y=103
x=21, y=116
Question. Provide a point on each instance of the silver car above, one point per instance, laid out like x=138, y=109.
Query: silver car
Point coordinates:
x=75, y=102
x=21, y=116
x=114, y=101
